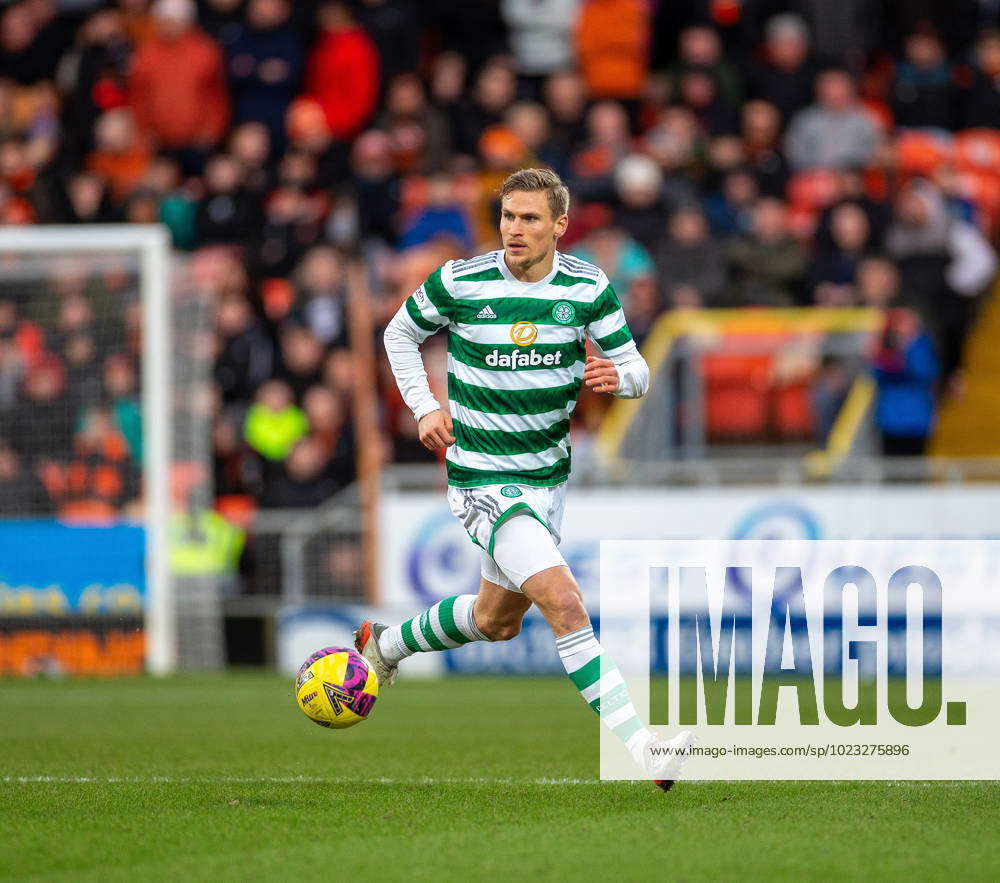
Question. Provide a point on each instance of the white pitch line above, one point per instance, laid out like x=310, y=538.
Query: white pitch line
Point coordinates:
x=424, y=780
x=283, y=780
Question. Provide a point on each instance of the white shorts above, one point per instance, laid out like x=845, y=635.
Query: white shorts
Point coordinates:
x=483, y=509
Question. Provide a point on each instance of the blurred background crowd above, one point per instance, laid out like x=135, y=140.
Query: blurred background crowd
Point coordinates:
x=763, y=153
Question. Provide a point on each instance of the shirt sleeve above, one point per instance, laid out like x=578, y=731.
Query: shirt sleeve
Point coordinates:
x=423, y=313
x=610, y=333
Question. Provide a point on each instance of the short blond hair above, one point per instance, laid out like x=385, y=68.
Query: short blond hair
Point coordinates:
x=535, y=180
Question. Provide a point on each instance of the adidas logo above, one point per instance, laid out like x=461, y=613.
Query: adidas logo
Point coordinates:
x=486, y=313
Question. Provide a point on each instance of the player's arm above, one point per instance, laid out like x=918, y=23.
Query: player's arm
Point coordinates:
x=620, y=369
x=417, y=319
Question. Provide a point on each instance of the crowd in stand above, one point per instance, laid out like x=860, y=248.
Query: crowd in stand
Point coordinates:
x=720, y=153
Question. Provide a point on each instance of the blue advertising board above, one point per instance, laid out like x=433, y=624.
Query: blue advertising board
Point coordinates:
x=50, y=568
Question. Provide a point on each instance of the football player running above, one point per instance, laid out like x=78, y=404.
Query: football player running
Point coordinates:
x=517, y=321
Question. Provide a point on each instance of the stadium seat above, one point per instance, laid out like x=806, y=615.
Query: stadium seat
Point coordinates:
x=922, y=153
x=736, y=396
x=791, y=412
x=813, y=189
x=978, y=150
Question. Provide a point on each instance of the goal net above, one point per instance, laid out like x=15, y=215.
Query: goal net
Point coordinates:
x=105, y=363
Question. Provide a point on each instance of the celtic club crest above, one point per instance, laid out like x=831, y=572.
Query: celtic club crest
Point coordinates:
x=564, y=312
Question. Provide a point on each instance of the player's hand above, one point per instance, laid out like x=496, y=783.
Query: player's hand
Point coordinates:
x=601, y=375
x=434, y=430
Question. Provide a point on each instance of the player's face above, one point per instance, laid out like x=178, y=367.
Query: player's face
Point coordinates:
x=527, y=229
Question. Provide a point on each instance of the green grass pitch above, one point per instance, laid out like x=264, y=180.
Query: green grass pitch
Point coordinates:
x=222, y=778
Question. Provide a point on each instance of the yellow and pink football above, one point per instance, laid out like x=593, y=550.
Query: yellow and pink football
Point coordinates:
x=336, y=688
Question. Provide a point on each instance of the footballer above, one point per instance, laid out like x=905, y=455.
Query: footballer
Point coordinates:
x=517, y=321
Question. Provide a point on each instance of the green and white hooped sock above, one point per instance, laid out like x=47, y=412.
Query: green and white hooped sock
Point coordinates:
x=602, y=686
x=447, y=624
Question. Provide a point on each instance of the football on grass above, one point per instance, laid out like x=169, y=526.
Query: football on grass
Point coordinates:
x=336, y=688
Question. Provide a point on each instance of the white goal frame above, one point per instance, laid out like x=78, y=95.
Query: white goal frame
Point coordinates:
x=151, y=242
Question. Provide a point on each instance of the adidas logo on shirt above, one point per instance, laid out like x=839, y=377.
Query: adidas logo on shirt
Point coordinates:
x=486, y=313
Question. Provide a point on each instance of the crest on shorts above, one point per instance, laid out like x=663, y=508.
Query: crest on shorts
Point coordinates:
x=523, y=333
x=509, y=490
x=564, y=312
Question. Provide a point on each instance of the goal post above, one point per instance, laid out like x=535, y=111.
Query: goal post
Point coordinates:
x=150, y=244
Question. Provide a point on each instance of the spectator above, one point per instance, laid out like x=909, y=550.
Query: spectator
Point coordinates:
x=566, y=101
x=250, y=145
x=761, y=132
x=494, y=91
x=301, y=359
x=376, y=187
x=222, y=19
x=620, y=256
x=419, y=130
x=835, y=266
x=981, y=103
x=944, y=263
x=329, y=424
x=441, y=217
x=700, y=49
x=246, y=353
x=32, y=39
x=292, y=225
x=785, y=74
x=393, y=28
x=343, y=71
x=306, y=478
x=319, y=299
x=691, y=263
x=834, y=132
x=177, y=87
x=120, y=390
x=274, y=422
x=22, y=495
x=226, y=214
x=905, y=367
x=447, y=86
x=644, y=306
x=265, y=62
x=697, y=91
x=612, y=48
x=530, y=123
x=878, y=283
x=541, y=38
x=924, y=94
x=643, y=202
x=608, y=142
x=767, y=264
x=99, y=479
x=729, y=208
x=93, y=77
x=43, y=422
x=121, y=159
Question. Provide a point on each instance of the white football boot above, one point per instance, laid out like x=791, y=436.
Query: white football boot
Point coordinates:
x=664, y=760
x=366, y=643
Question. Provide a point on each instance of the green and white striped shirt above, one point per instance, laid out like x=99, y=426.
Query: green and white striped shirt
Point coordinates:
x=515, y=362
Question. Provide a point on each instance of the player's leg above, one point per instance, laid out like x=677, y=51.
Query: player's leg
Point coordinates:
x=494, y=614
x=525, y=552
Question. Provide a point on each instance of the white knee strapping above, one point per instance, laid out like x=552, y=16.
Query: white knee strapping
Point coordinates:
x=523, y=546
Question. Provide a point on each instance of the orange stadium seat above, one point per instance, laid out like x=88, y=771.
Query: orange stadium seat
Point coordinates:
x=978, y=150
x=922, y=153
x=736, y=400
x=813, y=189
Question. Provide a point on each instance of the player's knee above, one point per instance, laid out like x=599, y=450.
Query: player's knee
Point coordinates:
x=500, y=628
x=567, y=611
